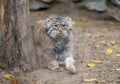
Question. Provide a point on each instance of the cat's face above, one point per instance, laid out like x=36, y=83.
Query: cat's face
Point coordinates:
x=58, y=27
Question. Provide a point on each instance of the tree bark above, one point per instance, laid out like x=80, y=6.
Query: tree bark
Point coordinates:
x=16, y=42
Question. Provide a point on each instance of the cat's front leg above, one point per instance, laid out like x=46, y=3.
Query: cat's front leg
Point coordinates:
x=69, y=63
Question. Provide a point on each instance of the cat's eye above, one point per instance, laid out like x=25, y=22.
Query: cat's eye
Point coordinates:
x=55, y=25
x=64, y=25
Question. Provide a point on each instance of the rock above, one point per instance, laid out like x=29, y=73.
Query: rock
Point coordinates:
x=114, y=12
x=116, y=2
x=48, y=1
x=98, y=5
x=37, y=5
x=102, y=6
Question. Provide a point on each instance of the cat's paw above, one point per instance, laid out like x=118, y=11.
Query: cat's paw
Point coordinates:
x=58, y=69
x=71, y=69
x=54, y=66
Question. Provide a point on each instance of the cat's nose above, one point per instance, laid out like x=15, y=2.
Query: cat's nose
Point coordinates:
x=60, y=30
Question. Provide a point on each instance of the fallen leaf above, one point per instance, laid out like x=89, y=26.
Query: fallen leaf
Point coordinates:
x=96, y=61
x=112, y=42
x=7, y=76
x=118, y=55
x=117, y=24
x=84, y=19
x=109, y=51
x=91, y=65
x=74, y=23
x=89, y=80
x=115, y=69
x=103, y=42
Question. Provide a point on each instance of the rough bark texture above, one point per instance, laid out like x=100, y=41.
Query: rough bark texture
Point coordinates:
x=16, y=43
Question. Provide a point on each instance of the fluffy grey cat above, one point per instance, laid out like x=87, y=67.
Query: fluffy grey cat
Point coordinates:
x=58, y=29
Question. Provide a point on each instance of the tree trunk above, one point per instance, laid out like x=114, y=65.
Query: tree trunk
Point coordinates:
x=16, y=42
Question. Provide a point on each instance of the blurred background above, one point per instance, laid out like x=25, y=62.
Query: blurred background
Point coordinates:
x=93, y=9
x=96, y=30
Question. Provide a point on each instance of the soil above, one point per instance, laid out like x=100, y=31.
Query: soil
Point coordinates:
x=93, y=34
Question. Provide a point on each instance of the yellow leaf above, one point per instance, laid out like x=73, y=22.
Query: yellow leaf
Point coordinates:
x=103, y=42
x=112, y=42
x=73, y=23
x=96, y=61
x=117, y=24
x=7, y=76
x=109, y=51
x=89, y=80
x=91, y=65
x=118, y=55
x=84, y=19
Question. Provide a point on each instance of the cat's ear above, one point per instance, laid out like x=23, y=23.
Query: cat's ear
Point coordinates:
x=48, y=22
x=48, y=19
x=69, y=21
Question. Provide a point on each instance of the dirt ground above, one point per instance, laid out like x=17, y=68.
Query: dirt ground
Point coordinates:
x=93, y=34
x=89, y=37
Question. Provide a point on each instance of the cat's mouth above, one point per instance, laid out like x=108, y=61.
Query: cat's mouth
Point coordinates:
x=60, y=35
